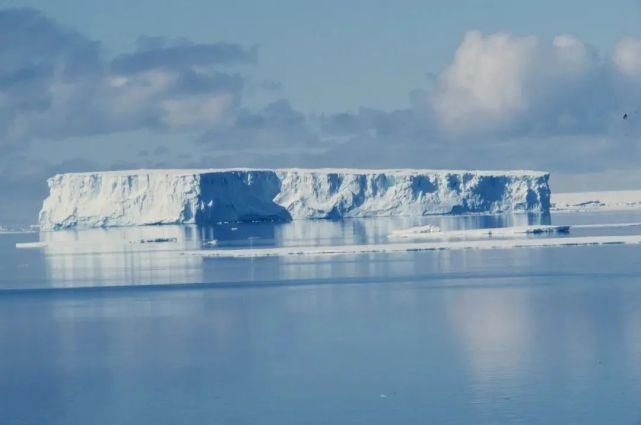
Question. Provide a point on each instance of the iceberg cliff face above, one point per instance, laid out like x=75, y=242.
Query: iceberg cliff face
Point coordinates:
x=124, y=198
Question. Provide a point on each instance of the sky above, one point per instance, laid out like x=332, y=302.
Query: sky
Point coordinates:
x=93, y=85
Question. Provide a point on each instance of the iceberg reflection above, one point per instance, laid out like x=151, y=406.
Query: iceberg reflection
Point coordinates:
x=153, y=254
x=121, y=256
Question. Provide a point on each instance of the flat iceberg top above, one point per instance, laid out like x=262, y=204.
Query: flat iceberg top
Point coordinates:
x=324, y=171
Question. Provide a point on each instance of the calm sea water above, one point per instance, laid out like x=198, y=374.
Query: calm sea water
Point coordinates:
x=99, y=328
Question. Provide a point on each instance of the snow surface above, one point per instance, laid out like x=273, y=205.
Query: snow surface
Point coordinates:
x=123, y=198
x=588, y=201
x=418, y=246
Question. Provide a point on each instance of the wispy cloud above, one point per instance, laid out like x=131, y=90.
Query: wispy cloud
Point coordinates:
x=56, y=83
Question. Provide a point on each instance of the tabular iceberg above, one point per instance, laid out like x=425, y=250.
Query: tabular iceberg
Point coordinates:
x=140, y=197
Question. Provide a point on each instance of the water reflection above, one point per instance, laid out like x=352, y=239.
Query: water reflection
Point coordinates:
x=557, y=348
x=152, y=254
x=121, y=256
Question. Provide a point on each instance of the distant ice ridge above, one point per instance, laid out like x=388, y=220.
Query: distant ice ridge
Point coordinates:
x=590, y=201
x=140, y=197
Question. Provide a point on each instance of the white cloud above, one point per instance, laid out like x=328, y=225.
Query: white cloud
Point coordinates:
x=627, y=57
x=501, y=83
x=55, y=83
x=485, y=81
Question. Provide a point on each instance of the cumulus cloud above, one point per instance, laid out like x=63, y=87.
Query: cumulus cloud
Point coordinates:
x=502, y=87
x=503, y=84
x=510, y=101
x=56, y=83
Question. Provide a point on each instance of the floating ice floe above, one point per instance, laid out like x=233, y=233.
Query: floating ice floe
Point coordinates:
x=417, y=231
x=604, y=225
x=419, y=246
x=7, y=231
x=433, y=232
x=158, y=240
x=31, y=245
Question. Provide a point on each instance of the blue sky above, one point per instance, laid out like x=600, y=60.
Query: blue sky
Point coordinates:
x=435, y=84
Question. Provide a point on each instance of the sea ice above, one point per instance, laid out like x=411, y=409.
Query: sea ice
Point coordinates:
x=428, y=232
x=30, y=245
x=588, y=201
x=418, y=246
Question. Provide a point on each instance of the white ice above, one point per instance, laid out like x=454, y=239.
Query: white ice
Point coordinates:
x=418, y=246
x=588, y=201
x=139, y=197
x=432, y=232
x=8, y=231
x=31, y=245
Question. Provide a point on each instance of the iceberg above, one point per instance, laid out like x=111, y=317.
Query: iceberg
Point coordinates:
x=144, y=197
